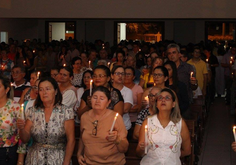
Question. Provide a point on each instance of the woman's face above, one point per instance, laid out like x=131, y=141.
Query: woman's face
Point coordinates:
x=87, y=77
x=64, y=76
x=84, y=57
x=33, y=78
x=99, y=101
x=47, y=92
x=159, y=78
x=35, y=87
x=3, y=91
x=100, y=78
x=165, y=102
x=77, y=65
x=170, y=70
x=152, y=96
x=129, y=77
x=149, y=61
x=120, y=57
x=118, y=76
x=158, y=62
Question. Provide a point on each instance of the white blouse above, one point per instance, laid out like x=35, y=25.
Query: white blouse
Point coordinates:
x=164, y=144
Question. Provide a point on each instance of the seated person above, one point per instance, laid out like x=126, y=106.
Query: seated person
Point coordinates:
x=19, y=84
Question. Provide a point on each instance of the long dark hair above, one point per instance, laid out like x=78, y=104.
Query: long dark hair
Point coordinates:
x=58, y=96
x=174, y=75
x=87, y=71
x=6, y=83
x=165, y=74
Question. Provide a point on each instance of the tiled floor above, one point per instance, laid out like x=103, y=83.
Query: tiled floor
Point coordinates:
x=218, y=136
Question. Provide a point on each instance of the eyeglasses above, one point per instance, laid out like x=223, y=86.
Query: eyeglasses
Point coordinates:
x=95, y=124
x=99, y=76
x=35, y=87
x=157, y=75
x=167, y=98
x=151, y=95
x=87, y=77
x=119, y=73
x=128, y=74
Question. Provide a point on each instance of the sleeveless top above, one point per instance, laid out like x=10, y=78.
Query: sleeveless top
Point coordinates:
x=164, y=144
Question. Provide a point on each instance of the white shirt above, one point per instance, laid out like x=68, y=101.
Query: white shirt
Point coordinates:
x=164, y=144
x=69, y=98
x=128, y=98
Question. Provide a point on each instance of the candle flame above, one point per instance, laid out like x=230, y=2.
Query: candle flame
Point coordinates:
x=231, y=57
x=11, y=84
x=145, y=126
x=117, y=114
x=64, y=65
x=22, y=105
x=91, y=81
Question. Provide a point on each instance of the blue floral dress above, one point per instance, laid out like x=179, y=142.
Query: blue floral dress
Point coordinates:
x=49, y=139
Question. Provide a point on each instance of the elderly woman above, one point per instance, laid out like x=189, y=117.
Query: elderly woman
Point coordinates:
x=167, y=134
x=77, y=71
x=99, y=144
x=49, y=123
x=9, y=112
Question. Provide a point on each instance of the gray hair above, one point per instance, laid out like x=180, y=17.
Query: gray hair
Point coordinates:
x=173, y=45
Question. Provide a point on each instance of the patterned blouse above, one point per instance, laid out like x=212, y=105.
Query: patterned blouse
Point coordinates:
x=77, y=80
x=8, y=130
x=142, y=116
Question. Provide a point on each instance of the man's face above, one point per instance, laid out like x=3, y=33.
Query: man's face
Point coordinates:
x=92, y=56
x=173, y=54
x=196, y=53
x=17, y=74
x=103, y=54
x=130, y=61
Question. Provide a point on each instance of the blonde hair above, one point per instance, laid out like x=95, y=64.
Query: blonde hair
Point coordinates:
x=175, y=115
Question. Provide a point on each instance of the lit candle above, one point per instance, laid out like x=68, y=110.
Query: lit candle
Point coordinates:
x=108, y=63
x=191, y=75
x=146, y=98
x=234, y=127
x=38, y=75
x=2, y=66
x=24, y=62
x=33, y=51
x=91, y=84
x=231, y=58
x=207, y=60
x=11, y=84
x=230, y=62
x=146, y=140
x=64, y=65
x=22, y=111
x=89, y=63
x=114, y=121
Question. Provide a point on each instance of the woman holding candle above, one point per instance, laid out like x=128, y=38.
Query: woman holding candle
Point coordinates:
x=143, y=114
x=167, y=136
x=98, y=143
x=31, y=92
x=146, y=80
x=50, y=125
x=101, y=77
x=11, y=149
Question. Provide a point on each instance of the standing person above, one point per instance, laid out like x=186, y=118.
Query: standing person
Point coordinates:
x=201, y=69
x=168, y=135
x=10, y=146
x=137, y=91
x=183, y=69
x=118, y=75
x=49, y=123
x=6, y=64
x=67, y=90
x=98, y=144
x=227, y=70
x=101, y=77
x=144, y=113
x=76, y=63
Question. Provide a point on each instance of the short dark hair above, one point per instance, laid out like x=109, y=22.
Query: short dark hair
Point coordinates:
x=104, y=90
x=105, y=68
x=75, y=59
x=68, y=69
x=6, y=83
x=21, y=68
x=58, y=96
x=131, y=68
x=116, y=67
x=120, y=51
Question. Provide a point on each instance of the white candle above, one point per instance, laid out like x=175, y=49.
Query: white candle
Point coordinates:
x=91, y=84
x=231, y=58
x=38, y=75
x=64, y=65
x=89, y=64
x=22, y=111
x=12, y=84
x=114, y=121
x=33, y=51
x=207, y=60
x=146, y=140
x=23, y=62
x=191, y=74
x=234, y=127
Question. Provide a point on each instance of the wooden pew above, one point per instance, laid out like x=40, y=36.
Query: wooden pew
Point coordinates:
x=130, y=155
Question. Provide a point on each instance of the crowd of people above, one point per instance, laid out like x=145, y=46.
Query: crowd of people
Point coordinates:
x=133, y=90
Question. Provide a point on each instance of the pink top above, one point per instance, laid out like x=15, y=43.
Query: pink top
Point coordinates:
x=97, y=150
x=137, y=89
